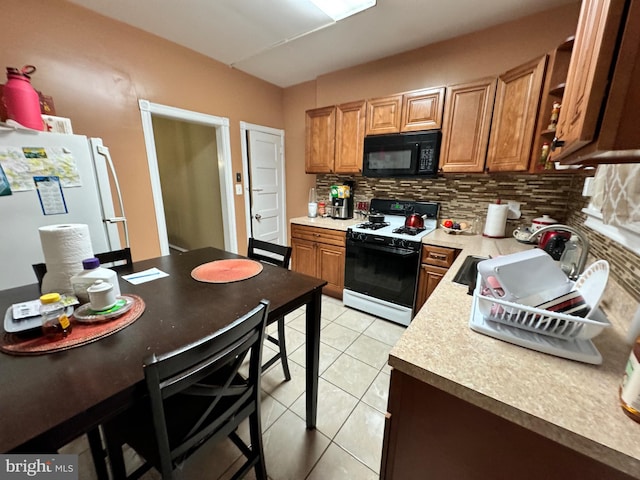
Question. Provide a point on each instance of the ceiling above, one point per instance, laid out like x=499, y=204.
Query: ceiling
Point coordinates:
x=286, y=42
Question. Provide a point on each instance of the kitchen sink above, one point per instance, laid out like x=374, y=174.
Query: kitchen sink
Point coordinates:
x=467, y=273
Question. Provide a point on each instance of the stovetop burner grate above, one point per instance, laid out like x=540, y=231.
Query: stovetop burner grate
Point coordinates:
x=373, y=226
x=408, y=230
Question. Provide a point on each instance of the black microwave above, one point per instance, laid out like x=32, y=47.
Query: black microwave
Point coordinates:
x=402, y=154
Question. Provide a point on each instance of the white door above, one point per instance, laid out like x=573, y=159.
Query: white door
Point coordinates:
x=266, y=185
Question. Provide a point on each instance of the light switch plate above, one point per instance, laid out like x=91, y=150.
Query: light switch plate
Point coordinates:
x=238, y=189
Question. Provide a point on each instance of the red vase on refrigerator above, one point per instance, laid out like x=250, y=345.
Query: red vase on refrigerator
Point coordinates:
x=21, y=99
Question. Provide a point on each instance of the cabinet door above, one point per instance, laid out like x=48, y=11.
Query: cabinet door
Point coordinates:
x=383, y=115
x=303, y=257
x=588, y=75
x=320, y=130
x=422, y=110
x=331, y=260
x=514, y=117
x=466, y=126
x=552, y=94
x=428, y=280
x=350, y=124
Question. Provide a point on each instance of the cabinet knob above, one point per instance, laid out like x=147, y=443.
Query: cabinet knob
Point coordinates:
x=557, y=143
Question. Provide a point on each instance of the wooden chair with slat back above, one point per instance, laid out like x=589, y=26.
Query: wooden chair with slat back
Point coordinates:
x=279, y=256
x=196, y=396
x=113, y=258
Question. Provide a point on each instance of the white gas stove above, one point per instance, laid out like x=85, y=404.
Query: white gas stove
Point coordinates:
x=383, y=259
x=393, y=227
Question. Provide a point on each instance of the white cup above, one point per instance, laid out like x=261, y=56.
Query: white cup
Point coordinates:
x=313, y=209
x=102, y=296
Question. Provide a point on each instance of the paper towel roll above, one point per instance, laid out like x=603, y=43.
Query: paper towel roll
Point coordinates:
x=64, y=248
x=496, y=220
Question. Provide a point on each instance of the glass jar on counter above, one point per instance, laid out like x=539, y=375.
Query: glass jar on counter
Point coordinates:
x=55, y=323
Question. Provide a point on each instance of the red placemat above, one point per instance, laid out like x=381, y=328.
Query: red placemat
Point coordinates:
x=82, y=333
x=226, y=271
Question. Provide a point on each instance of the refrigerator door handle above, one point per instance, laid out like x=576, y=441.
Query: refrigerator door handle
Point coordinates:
x=104, y=151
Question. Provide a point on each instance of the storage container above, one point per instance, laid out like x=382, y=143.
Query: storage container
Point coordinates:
x=92, y=272
x=530, y=277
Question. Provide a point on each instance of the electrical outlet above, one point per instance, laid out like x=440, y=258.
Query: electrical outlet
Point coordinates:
x=587, y=190
x=238, y=189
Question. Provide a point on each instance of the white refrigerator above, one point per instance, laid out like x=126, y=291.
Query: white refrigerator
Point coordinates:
x=49, y=179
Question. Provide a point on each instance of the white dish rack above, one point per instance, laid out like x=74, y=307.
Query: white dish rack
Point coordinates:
x=545, y=322
x=554, y=333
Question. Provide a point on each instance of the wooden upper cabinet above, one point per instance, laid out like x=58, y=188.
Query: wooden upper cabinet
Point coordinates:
x=466, y=125
x=514, y=117
x=350, y=125
x=383, y=115
x=552, y=95
x=320, y=129
x=598, y=119
x=422, y=110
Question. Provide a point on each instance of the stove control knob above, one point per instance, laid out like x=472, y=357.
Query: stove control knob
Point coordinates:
x=362, y=237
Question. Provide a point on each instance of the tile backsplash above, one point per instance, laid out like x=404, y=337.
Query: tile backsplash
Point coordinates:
x=467, y=196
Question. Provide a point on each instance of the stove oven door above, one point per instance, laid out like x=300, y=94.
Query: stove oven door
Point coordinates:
x=383, y=272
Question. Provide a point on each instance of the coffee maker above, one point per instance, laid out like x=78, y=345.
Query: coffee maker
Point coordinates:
x=342, y=201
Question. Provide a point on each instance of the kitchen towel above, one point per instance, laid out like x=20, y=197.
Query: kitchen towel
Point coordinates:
x=64, y=248
x=496, y=220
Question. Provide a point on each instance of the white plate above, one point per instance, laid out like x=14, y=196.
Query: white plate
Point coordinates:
x=592, y=283
x=24, y=324
x=84, y=314
x=522, y=235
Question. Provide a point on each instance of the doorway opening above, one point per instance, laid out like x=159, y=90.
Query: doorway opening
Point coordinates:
x=191, y=177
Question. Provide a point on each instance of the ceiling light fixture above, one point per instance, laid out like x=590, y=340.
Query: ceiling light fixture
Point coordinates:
x=339, y=9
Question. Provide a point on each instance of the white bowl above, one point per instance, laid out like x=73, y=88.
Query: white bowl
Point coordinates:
x=592, y=283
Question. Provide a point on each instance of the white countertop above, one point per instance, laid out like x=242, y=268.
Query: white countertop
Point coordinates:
x=326, y=222
x=573, y=403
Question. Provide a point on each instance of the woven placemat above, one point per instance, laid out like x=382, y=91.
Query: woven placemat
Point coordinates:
x=226, y=271
x=82, y=333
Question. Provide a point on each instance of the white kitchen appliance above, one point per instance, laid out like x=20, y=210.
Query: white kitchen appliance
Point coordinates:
x=76, y=191
x=383, y=259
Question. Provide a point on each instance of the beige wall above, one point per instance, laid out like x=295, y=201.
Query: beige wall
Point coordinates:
x=96, y=69
x=468, y=57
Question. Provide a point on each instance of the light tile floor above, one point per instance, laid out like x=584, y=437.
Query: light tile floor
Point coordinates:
x=352, y=401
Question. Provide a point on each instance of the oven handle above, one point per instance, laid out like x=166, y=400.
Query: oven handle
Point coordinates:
x=383, y=248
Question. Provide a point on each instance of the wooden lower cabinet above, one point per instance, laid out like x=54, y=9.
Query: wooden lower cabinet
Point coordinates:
x=320, y=253
x=433, y=435
x=428, y=280
x=434, y=265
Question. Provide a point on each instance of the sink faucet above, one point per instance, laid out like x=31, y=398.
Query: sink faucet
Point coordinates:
x=575, y=270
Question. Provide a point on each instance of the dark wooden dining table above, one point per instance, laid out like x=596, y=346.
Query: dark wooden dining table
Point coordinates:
x=50, y=399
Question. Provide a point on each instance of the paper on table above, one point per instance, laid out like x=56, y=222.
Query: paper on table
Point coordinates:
x=145, y=276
